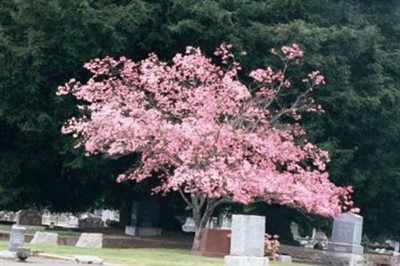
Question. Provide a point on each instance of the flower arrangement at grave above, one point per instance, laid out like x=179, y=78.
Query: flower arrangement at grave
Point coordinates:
x=272, y=246
x=205, y=133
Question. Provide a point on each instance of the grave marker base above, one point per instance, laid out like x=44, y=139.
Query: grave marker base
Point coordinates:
x=342, y=259
x=345, y=248
x=246, y=261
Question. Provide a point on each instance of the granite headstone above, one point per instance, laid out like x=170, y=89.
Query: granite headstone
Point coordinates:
x=29, y=217
x=93, y=240
x=346, y=234
x=17, y=238
x=45, y=238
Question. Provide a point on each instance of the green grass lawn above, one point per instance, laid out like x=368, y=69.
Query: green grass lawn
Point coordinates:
x=137, y=257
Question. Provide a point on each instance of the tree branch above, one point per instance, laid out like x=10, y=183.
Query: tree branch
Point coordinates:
x=184, y=198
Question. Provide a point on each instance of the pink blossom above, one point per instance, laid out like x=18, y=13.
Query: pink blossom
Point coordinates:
x=200, y=129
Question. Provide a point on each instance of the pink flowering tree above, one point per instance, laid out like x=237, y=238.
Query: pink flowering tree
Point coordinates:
x=205, y=133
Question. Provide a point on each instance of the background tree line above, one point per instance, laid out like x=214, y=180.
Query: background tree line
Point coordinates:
x=43, y=43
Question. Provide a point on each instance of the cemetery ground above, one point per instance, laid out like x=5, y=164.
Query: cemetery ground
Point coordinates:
x=122, y=256
x=137, y=256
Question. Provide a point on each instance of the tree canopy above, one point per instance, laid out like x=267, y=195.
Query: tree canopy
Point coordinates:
x=204, y=133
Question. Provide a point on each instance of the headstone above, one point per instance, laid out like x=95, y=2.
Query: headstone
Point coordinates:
x=344, y=259
x=17, y=237
x=62, y=220
x=319, y=239
x=142, y=231
x=248, y=235
x=226, y=222
x=45, y=238
x=90, y=222
x=346, y=234
x=215, y=242
x=73, y=221
x=29, y=217
x=109, y=215
x=12, y=217
x=345, y=245
x=46, y=219
x=130, y=230
x=144, y=219
x=247, y=241
x=284, y=259
x=212, y=223
x=189, y=225
x=318, y=235
x=145, y=213
x=396, y=246
x=92, y=240
x=89, y=260
x=97, y=213
x=294, y=228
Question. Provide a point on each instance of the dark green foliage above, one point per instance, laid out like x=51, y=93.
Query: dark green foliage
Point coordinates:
x=43, y=43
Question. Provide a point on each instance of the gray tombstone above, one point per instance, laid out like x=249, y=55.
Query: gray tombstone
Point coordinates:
x=17, y=238
x=346, y=234
x=29, y=217
x=90, y=240
x=247, y=241
x=45, y=238
x=90, y=222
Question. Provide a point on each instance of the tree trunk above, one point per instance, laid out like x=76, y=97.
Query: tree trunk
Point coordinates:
x=202, y=209
x=197, y=239
x=201, y=216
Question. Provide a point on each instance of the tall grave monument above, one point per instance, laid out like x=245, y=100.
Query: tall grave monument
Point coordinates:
x=144, y=219
x=247, y=241
x=345, y=245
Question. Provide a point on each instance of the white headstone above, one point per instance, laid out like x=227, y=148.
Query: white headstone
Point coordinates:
x=109, y=215
x=45, y=238
x=248, y=235
x=130, y=230
x=62, y=220
x=226, y=223
x=46, y=219
x=189, y=225
x=73, y=221
x=90, y=240
x=247, y=241
x=294, y=229
x=396, y=246
x=17, y=238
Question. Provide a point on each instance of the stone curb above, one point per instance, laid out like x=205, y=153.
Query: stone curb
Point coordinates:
x=53, y=256
x=66, y=258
